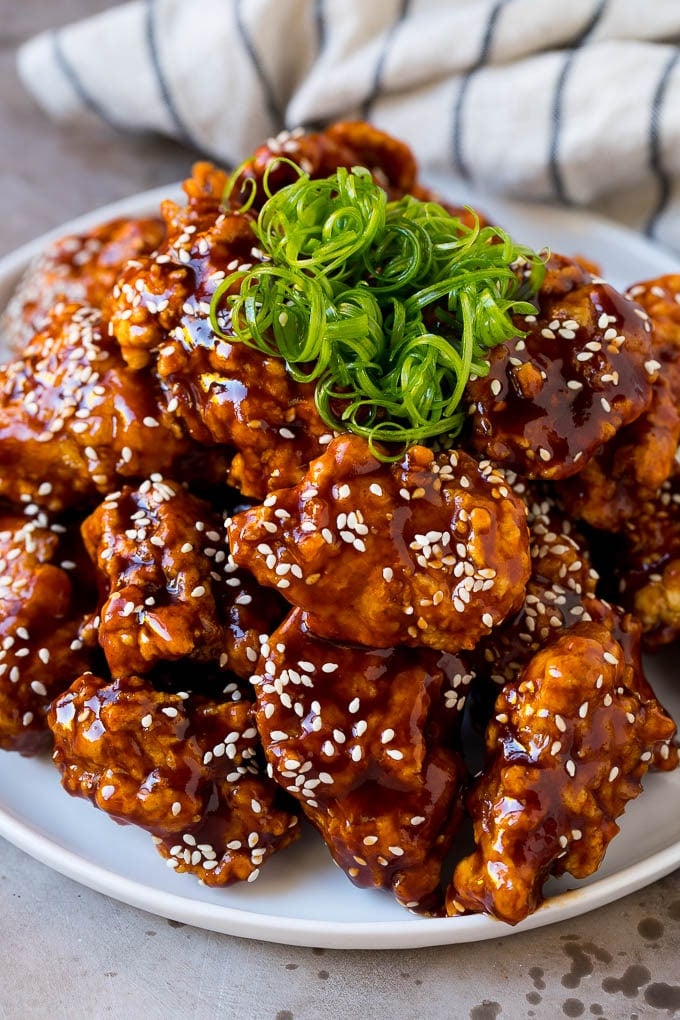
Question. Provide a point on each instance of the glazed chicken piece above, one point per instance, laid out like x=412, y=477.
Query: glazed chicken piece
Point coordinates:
x=226, y=395
x=629, y=468
x=79, y=268
x=648, y=567
x=344, y=144
x=45, y=590
x=364, y=739
x=559, y=592
x=319, y=154
x=74, y=420
x=660, y=298
x=169, y=587
x=431, y=551
x=566, y=751
x=582, y=371
x=183, y=767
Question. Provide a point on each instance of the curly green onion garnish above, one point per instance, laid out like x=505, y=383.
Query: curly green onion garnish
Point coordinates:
x=389, y=307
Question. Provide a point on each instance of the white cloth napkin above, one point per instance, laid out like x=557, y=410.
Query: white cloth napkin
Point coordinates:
x=573, y=101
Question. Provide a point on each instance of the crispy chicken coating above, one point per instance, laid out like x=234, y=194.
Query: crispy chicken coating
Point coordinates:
x=181, y=766
x=44, y=592
x=566, y=751
x=583, y=370
x=629, y=468
x=344, y=144
x=364, y=739
x=561, y=592
x=169, y=587
x=232, y=395
x=74, y=420
x=227, y=395
x=649, y=565
x=79, y=268
x=319, y=154
x=660, y=298
x=431, y=551
x=558, y=594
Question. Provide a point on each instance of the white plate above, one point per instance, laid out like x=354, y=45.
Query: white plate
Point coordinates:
x=300, y=898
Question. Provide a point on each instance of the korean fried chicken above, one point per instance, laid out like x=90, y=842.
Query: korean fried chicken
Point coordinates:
x=170, y=590
x=431, y=551
x=79, y=268
x=566, y=751
x=182, y=532
x=225, y=394
x=344, y=144
x=660, y=298
x=629, y=468
x=554, y=395
x=364, y=739
x=183, y=767
x=559, y=592
x=45, y=590
x=648, y=565
x=74, y=420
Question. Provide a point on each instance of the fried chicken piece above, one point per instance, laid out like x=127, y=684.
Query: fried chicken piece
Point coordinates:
x=181, y=766
x=233, y=395
x=583, y=370
x=169, y=292
x=660, y=298
x=364, y=739
x=343, y=144
x=431, y=551
x=74, y=420
x=626, y=629
x=226, y=394
x=561, y=592
x=648, y=567
x=558, y=594
x=319, y=154
x=41, y=610
x=630, y=467
x=169, y=587
x=80, y=268
x=567, y=749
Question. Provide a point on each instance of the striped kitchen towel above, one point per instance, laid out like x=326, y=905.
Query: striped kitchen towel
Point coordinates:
x=573, y=101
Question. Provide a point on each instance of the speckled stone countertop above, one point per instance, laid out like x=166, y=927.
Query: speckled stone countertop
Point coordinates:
x=68, y=952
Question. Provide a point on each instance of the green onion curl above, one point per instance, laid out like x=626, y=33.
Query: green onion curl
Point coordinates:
x=388, y=307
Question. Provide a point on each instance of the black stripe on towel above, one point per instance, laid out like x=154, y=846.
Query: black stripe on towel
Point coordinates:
x=320, y=23
x=181, y=128
x=656, y=142
x=376, y=84
x=554, y=168
x=459, y=108
x=273, y=108
x=74, y=79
